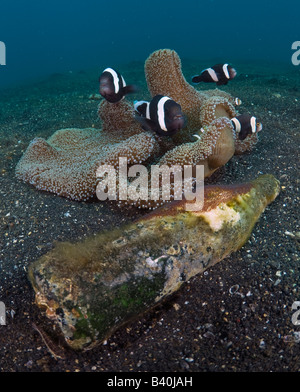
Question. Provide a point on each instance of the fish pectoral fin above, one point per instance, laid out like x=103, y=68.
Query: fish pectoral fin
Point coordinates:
x=244, y=133
x=146, y=124
x=196, y=79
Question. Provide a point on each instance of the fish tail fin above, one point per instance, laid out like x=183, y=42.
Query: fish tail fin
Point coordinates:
x=130, y=89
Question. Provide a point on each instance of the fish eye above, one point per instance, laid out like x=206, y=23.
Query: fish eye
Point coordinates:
x=177, y=116
x=259, y=126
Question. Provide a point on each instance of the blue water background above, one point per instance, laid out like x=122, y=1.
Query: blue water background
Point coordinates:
x=44, y=37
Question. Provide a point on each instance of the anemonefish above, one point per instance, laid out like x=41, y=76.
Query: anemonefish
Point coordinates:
x=245, y=125
x=219, y=74
x=161, y=115
x=113, y=87
x=237, y=101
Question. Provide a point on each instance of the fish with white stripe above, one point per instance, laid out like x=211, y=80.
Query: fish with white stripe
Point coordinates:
x=219, y=74
x=245, y=125
x=161, y=115
x=113, y=86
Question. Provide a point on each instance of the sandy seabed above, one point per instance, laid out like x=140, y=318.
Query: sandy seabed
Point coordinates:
x=237, y=316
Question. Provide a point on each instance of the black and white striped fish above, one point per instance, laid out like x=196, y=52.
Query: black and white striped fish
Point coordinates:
x=113, y=87
x=219, y=74
x=161, y=115
x=245, y=125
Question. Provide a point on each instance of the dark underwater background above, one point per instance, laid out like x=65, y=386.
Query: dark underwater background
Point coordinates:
x=43, y=37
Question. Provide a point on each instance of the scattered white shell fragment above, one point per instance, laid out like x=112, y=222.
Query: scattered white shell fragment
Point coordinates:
x=153, y=263
x=289, y=233
x=233, y=289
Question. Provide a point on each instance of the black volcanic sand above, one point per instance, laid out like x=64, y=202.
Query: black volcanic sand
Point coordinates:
x=237, y=316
